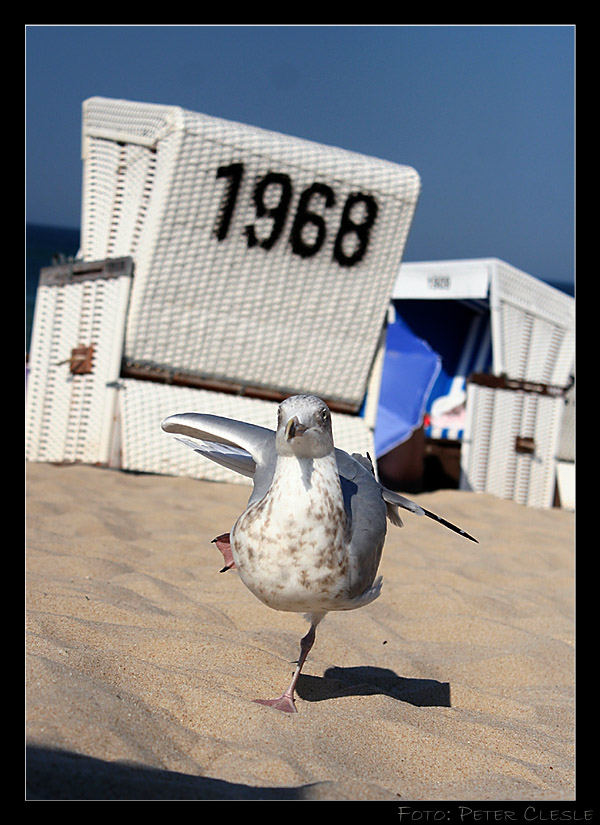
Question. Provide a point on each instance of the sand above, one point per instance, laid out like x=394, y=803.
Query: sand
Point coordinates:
x=143, y=659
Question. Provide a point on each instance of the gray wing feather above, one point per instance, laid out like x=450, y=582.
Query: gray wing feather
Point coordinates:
x=215, y=428
x=245, y=448
x=395, y=499
x=250, y=450
x=358, y=466
x=232, y=458
x=366, y=511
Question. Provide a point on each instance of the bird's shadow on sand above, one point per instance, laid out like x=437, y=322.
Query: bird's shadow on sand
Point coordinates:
x=366, y=681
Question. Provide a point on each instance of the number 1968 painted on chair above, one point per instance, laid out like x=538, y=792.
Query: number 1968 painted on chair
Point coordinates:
x=304, y=216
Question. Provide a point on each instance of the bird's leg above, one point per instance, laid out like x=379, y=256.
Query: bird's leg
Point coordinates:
x=286, y=701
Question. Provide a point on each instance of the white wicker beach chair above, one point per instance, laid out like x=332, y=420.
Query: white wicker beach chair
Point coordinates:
x=75, y=361
x=511, y=439
x=263, y=267
x=508, y=427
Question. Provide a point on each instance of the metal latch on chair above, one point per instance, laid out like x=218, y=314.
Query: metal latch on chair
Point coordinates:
x=80, y=362
x=524, y=444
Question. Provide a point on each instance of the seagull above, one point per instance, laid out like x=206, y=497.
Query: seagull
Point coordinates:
x=311, y=537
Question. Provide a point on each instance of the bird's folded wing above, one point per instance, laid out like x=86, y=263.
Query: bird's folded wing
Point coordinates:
x=353, y=467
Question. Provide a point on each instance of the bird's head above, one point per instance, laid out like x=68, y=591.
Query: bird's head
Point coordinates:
x=304, y=427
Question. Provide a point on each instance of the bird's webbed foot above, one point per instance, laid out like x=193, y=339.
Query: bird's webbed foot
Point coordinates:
x=223, y=542
x=285, y=703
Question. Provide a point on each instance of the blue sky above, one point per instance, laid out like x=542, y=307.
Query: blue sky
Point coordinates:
x=485, y=114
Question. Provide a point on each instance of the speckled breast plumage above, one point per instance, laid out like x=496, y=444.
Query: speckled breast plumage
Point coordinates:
x=290, y=548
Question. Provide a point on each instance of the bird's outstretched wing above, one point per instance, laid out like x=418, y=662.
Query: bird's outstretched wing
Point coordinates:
x=234, y=458
x=244, y=448
x=250, y=450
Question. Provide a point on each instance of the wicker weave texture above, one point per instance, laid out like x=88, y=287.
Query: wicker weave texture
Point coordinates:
x=490, y=460
x=146, y=448
x=261, y=259
x=70, y=417
x=534, y=328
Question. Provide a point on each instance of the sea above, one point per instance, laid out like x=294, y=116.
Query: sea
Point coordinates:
x=48, y=245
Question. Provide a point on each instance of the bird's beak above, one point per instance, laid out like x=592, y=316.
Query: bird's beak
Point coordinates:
x=294, y=428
